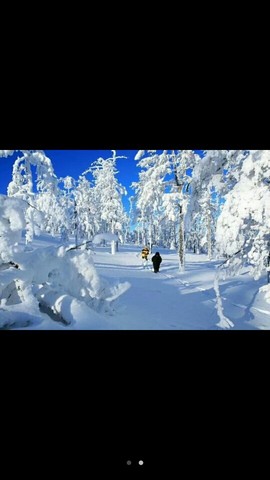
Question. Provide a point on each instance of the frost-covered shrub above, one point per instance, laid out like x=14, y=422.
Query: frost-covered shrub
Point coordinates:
x=12, y=222
x=243, y=228
x=62, y=280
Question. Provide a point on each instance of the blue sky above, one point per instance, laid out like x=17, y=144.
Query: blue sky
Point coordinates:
x=74, y=162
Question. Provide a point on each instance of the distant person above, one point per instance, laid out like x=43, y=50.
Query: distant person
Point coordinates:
x=156, y=259
x=145, y=253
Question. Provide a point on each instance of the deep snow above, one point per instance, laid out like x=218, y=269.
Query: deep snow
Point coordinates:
x=143, y=300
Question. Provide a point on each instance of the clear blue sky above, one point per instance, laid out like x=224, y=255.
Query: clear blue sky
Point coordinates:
x=74, y=162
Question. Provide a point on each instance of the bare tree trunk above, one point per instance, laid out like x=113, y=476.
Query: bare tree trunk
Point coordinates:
x=143, y=236
x=76, y=224
x=150, y=236
x=181, y=241
x=209, y=235
x=113, y=247
x=155, y=235
x=113, y=243
x=172, y=237
x=224, y=322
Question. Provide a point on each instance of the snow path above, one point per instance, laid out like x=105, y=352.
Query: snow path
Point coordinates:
x=168, y=300
x=171, y=300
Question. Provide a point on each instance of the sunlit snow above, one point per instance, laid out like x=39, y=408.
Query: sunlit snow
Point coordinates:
x=123, y=294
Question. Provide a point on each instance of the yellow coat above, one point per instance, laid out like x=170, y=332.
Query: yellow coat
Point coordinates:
x=145, y=253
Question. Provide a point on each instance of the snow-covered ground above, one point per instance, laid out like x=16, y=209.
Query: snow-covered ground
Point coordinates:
x=139, y=299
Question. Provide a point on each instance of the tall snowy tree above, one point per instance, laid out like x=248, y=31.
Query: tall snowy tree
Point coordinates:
x=212, y=177
x=243, y=227
x=70, y=221
x=216, y=174
x=86, y=209
x=149, y=190
x=107, y=195
x=22, y=182
x=183, y=161
x=166, y=173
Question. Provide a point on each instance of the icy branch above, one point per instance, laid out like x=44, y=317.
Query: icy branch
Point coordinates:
x=224, y=321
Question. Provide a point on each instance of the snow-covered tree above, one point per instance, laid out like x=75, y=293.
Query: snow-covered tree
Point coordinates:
x=107, y=195
x=196, y=233
x=12, y=222
x=67, y=202
x=166, y=173
x=213, y=176
x=22, y=177
x=6, y=153
x=182, y=163
x=216, y=174
x=86, y=210
x=201, y=222
x=170, y=219
x=78, y=209
x=22, y=186
x=149, y=190
x=243, y=227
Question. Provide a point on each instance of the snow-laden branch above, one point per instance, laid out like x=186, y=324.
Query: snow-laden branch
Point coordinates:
x=224, y=322
x=244, y=222
x=139, y=155
x=6, y=153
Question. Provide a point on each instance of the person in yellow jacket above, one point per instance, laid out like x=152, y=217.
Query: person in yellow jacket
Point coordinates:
x=145, y=253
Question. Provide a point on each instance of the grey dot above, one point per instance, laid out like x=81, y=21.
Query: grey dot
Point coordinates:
x=128, y=462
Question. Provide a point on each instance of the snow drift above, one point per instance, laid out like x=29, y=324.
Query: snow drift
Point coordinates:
x=59, y=280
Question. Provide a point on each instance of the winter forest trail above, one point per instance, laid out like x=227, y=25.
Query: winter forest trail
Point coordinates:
x=170, y=300
x=153, y=301
x=139, y=299
x=214, y=201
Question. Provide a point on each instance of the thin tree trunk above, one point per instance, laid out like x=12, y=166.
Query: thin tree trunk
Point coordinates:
x=150, y=236
x=209, y=235
x=181, y=241
x=172, y=237
x=113, y=247
x=143, y=237
x=113, y=243
x=76, y=224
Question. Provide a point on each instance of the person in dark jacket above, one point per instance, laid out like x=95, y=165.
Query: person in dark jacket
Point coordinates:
x=156, y=259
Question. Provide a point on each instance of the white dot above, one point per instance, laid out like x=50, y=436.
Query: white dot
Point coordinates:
x=140, y=462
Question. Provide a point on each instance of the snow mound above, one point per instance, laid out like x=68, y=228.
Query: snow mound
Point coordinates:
x=266, y=290
x=12, y=222
x=58, y=280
